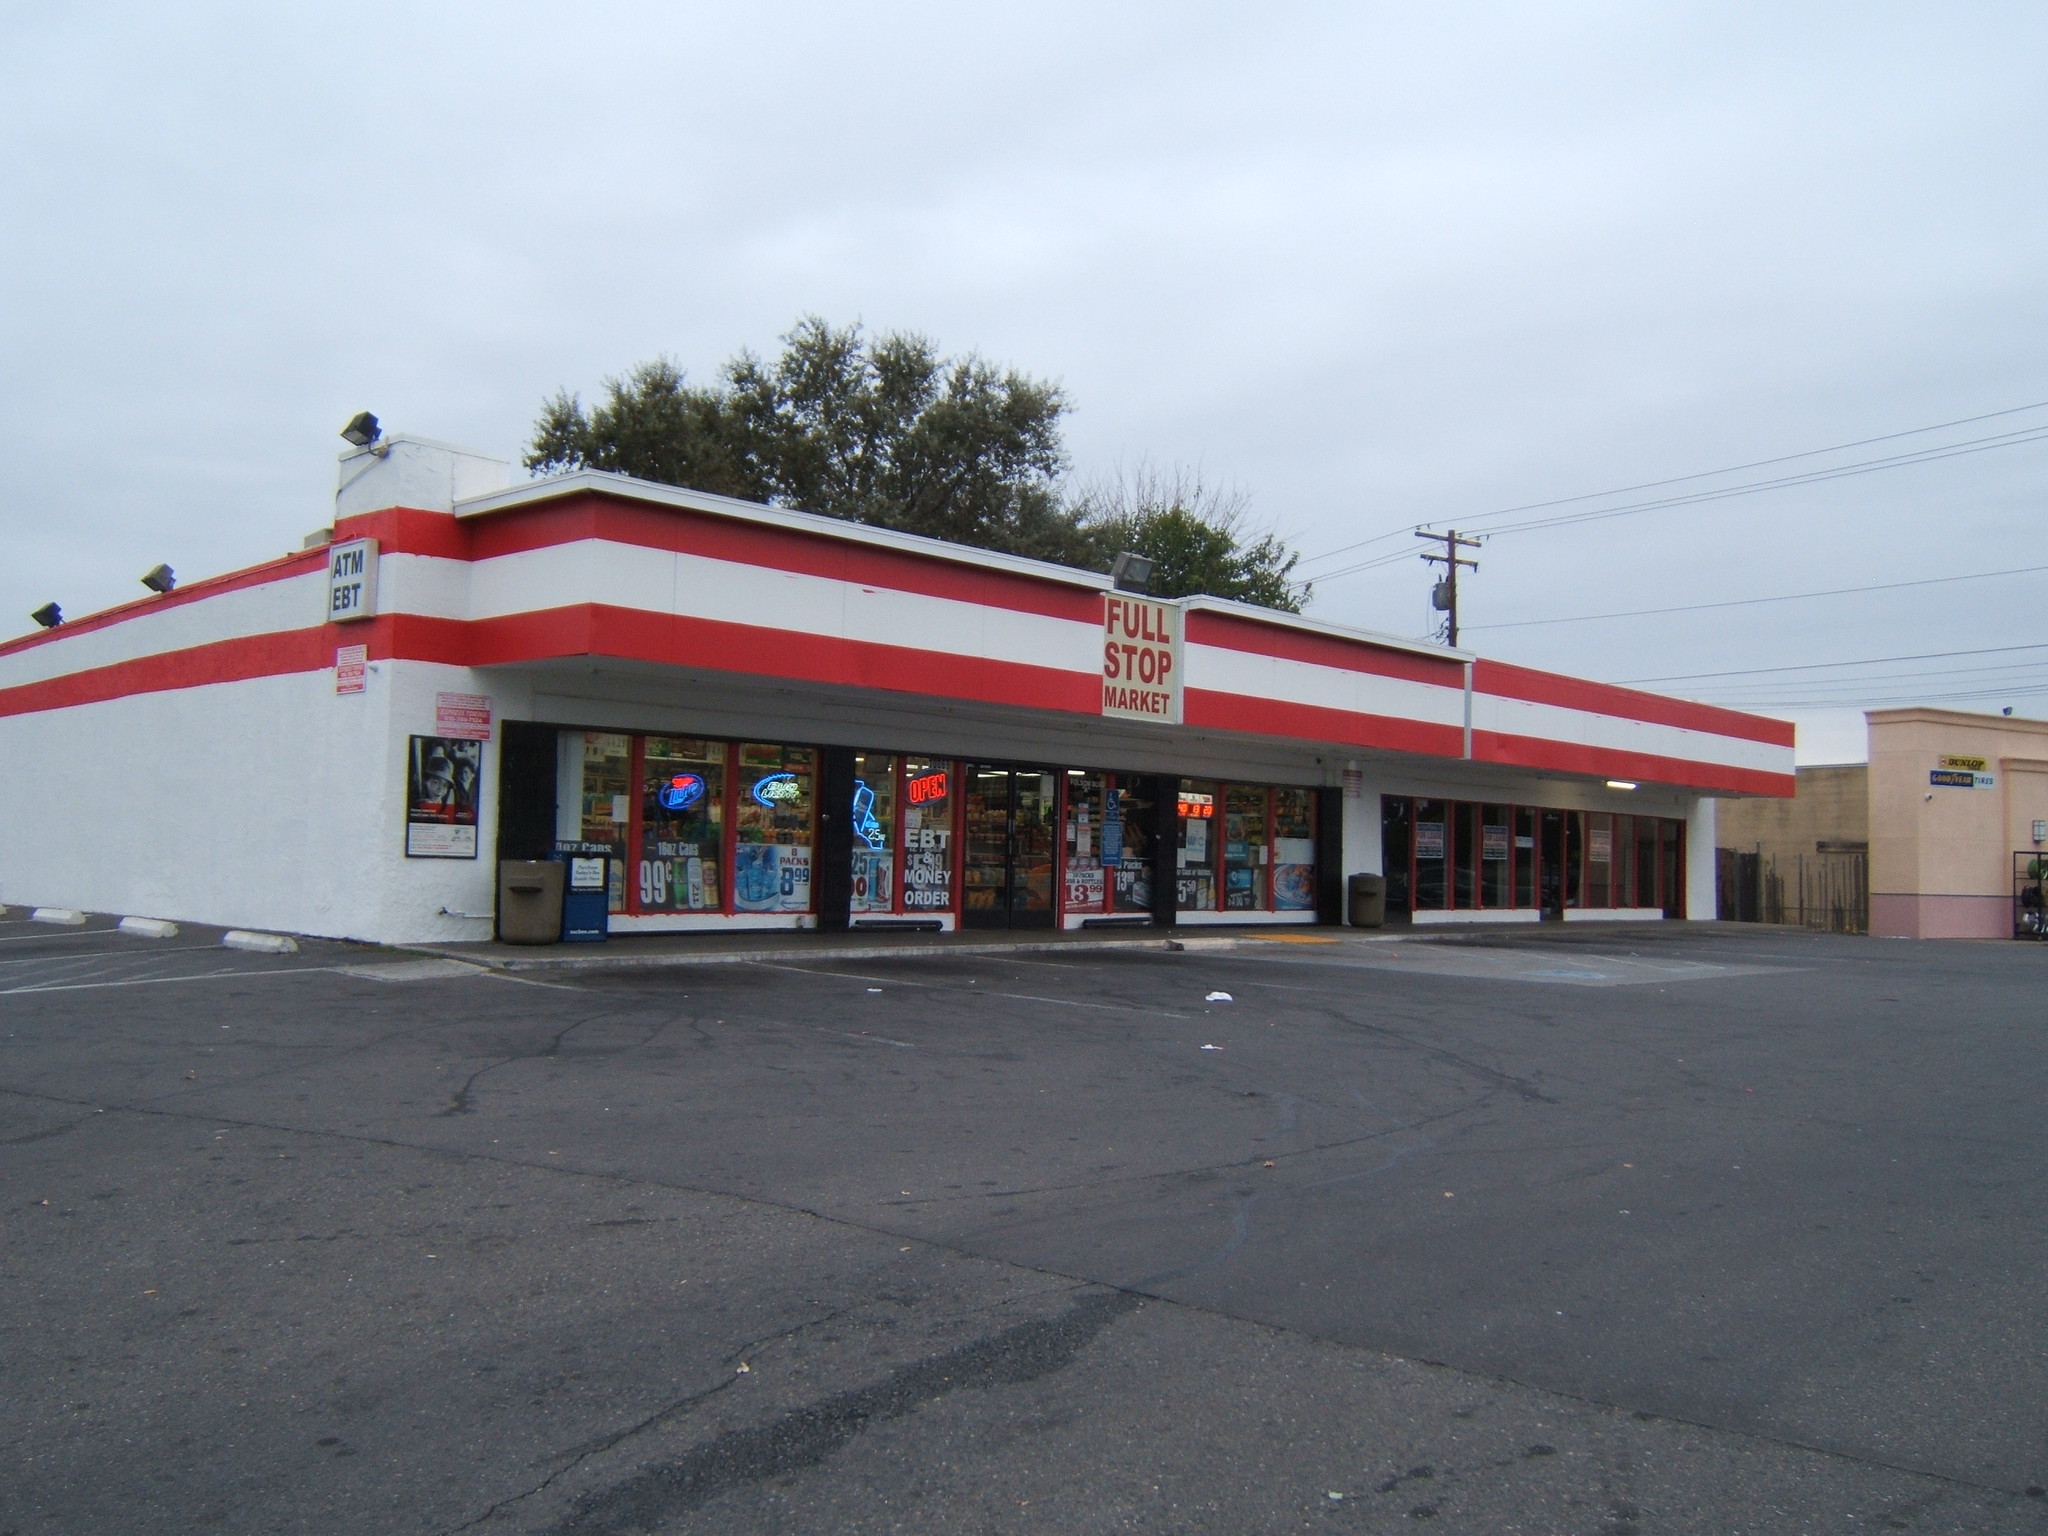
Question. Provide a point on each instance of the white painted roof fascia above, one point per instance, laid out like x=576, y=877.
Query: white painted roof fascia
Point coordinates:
x=627, y=486
x=1318, y=627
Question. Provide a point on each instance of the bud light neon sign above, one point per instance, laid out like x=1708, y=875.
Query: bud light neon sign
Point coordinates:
x=865, y=826
x=778, y=789
x=681, y=792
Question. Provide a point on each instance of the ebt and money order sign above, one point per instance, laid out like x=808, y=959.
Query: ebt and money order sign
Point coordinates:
x=1141, y=658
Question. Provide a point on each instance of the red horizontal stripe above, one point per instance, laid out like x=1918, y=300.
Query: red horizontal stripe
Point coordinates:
x=594, y=629
x=408, y=531
x=1233, y=632
x=1511, y=682
x=1216, y=710
x=280, y=569
x=223, y=661
x=682, y=530
x=1640, y=767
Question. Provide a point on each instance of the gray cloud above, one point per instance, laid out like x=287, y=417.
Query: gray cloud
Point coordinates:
x=1375, y=265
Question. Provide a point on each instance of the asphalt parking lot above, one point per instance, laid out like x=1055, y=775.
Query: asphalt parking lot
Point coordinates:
x=1692, y=1230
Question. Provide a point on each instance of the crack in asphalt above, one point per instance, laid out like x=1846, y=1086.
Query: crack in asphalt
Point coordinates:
x=803, y=1437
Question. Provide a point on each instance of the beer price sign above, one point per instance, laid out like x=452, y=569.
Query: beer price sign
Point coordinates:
x=1141, y=658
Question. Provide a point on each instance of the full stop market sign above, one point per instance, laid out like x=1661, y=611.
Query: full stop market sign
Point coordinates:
x=1141, y=658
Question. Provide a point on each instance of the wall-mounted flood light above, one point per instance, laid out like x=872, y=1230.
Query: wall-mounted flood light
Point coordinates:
x=49, y=615
x=1130, y=572
x=160, y=578
x=362, y=429
x=1621, y=783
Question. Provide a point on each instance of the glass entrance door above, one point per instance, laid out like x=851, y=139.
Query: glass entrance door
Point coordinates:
x=1011, y=829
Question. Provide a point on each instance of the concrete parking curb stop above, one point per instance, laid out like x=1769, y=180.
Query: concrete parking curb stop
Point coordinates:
x=64, y=916
x=148, y=927
x=259, y=943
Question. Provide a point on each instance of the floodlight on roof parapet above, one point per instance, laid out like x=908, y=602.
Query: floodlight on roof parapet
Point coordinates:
x=160, y=578
x=1131, y=572
x=49, y=615
x=362, y=429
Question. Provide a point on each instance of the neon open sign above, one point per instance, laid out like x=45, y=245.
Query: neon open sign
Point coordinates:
x=930, y=786
x=681, y=792
x=778, y=789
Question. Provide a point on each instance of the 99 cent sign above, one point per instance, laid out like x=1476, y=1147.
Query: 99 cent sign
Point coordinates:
x=1141, y=658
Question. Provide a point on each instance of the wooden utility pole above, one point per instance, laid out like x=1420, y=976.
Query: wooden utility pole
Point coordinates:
x=1445, y=597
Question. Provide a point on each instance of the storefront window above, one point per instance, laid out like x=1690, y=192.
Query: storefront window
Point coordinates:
x=927, y=835
x=605, y=799
x=1196, y=857
x=1294, y=850
x=1493, y=856
x=1525, y=856
x=1670, y=859
x=1574, y=858
x=1599, y=859
x=1083, y=841
x=1645, y=893
x=1432, y=855
x=1464, y=857
x=1127, y=843
x=874, y=832
x=1245, y=851
x=682, y=825
x=774, y=820
x=1397, y=849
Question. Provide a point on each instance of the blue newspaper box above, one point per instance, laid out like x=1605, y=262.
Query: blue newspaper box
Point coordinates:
x=586, y=893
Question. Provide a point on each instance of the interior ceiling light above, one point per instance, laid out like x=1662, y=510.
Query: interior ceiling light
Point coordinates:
x=160, y=578
x=1621, y=783
x=362, y=429
x=49, y=615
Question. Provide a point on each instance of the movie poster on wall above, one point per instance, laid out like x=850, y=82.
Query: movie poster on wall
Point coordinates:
x=443, y=783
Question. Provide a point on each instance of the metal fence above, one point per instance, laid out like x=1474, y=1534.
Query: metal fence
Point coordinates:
x=1828, y=891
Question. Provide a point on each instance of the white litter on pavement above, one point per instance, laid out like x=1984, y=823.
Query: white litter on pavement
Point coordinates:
x=1219, y=997
x=1212, y=1047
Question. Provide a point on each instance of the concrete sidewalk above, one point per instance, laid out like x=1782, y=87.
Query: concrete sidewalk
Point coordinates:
x=647, y=950
x=628, y=951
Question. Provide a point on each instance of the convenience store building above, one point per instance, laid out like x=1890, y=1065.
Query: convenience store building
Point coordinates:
x=772, y=719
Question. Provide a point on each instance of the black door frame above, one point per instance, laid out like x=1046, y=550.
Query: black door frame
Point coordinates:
x=1007, y=914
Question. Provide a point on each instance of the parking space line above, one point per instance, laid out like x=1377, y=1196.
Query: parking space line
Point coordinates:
x=123, y=953
x=168, y=981
x=75, y=933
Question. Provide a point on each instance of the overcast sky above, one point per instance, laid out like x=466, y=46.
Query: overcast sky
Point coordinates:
x=1374, y=265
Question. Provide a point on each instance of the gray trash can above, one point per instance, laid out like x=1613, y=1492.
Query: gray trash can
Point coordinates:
x=1368, y=901
x=529, y=901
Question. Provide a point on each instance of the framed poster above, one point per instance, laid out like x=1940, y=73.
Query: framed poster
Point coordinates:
x=443, y=783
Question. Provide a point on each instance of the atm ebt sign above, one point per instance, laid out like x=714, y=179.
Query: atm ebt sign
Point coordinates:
x=1141, y=668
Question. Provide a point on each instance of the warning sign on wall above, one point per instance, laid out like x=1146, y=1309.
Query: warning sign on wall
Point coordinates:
x=1141, y=658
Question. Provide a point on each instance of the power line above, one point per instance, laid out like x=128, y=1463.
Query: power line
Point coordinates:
x=1747, y=602
x=1852, y=700
x=1812, y=477
x=1820, y=666
x=1705, y=474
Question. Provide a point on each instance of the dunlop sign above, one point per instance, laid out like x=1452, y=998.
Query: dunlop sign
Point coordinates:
x=352, y=580
x=1141, y=658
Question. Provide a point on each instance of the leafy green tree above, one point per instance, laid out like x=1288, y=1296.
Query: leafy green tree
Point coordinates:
x=885, y=431
x=1196, y=538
